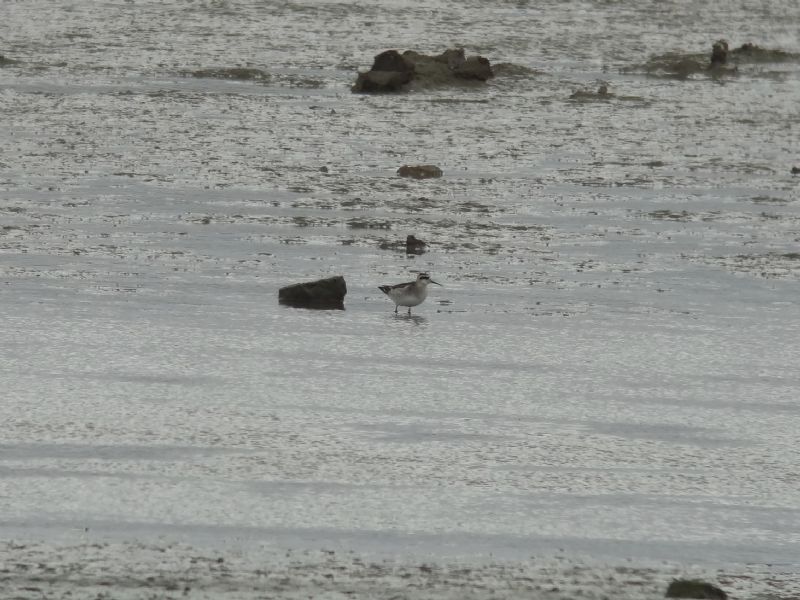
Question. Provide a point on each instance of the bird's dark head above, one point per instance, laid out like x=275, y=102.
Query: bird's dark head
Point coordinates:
x=426, y=279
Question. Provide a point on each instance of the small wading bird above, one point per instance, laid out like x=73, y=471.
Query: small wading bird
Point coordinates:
x=410, y=293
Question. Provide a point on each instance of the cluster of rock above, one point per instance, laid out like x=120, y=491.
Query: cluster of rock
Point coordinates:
x=750, y=52
x=393, y=72
x=722, y=61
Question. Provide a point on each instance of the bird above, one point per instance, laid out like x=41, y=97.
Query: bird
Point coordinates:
x=410, y=293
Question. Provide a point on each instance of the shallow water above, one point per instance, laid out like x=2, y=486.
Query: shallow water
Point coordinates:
x=610, y=368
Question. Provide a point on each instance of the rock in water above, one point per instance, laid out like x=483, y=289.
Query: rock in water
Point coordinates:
x=602, y=93
x=719, y=53
x=419, y=171
x=475, y=67
x=392, y=71
x=415, y=245
x=321, y=294
x=381, y=81
x=694, y=588
x=392, y=60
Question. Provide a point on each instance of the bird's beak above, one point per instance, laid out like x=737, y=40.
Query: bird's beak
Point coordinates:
x=432, y=281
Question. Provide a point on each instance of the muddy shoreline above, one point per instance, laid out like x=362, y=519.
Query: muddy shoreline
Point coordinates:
x=133, y=570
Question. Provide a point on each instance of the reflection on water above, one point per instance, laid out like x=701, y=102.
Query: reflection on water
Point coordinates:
x=406, y=318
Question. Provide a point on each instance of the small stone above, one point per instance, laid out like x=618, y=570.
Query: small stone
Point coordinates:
x=419, y=171
x=694, y=588
x=414, y=245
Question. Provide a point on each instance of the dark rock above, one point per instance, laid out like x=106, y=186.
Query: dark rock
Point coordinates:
x=375, y=82
x=753, y=53
x=683, y=66
x=432, y=70
x=392, y=60
x=419, y=171
x=719, y=53
x=795, y=170
x=322, y=294
x=747, y=47
x=602, y=93
x=453, y=57
x=414, y=245
x=391, y=71
x=747, y=53
x=448, y=67
x=694, y=588
x=475, y=67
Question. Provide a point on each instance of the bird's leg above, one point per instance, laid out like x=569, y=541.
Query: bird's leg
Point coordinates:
x=395, y=308
x=409, y=311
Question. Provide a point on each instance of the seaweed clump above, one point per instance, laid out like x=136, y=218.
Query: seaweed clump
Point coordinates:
x=721, y=62
x=237, y=73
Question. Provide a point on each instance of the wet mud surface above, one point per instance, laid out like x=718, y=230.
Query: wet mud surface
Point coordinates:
x=180, y=571
x=609, y=370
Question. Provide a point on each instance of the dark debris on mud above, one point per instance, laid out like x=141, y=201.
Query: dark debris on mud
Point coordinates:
x=769, y=265
x=133, y=570
x=235, y=73
x=721, y=62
